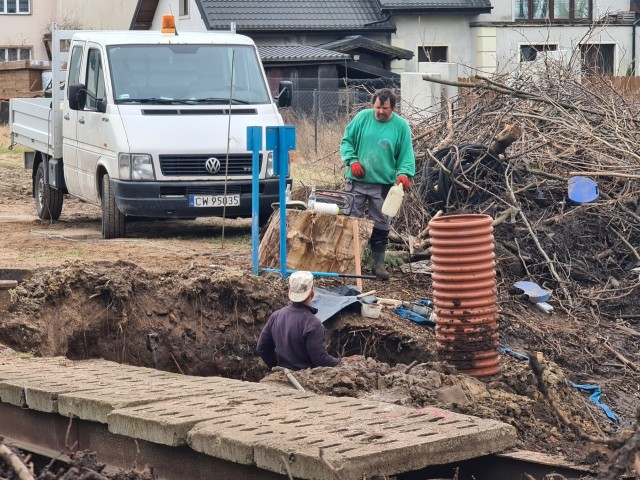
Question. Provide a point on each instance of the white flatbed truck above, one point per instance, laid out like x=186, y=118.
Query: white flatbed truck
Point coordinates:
x=150, y=124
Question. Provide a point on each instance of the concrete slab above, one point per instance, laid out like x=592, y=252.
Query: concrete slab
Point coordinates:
x=375, y=439
x=168, y=422
x=251, y=424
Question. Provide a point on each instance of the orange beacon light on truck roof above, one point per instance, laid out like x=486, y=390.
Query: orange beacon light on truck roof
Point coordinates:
x=168, y=24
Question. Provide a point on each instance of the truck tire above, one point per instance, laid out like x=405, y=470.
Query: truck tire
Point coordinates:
x=113, y=221
x=48, y=199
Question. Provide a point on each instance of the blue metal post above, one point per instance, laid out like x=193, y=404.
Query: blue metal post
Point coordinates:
x=281, y=140
x=254, y=144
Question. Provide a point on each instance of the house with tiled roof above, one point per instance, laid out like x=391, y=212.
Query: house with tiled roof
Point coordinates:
x=398, y=35
x=377, y=39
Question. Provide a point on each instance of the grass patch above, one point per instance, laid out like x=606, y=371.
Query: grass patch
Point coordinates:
x=8, y=156
x=316, y=160
x=53, y=255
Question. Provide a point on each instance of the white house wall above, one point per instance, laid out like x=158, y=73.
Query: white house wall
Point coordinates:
x=95, y=15
x=491, y=42
x=452, y=31
x=25, y=31
x=509, y=40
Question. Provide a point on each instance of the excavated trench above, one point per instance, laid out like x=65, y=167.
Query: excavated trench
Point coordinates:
x=208, y=319
x=207, y=322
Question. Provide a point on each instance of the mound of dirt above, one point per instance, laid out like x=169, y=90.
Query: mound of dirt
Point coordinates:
x=208, y=320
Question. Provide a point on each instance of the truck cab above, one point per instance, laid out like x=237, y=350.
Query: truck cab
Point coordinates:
x=154, y=124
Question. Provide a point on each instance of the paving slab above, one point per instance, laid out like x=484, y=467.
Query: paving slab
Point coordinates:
x=168, y=422
x=376, y=439
x=277, y=429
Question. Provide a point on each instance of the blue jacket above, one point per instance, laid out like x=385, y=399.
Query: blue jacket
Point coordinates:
x=294, y=338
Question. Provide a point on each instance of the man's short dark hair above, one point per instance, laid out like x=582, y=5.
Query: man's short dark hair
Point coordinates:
x=385, y=94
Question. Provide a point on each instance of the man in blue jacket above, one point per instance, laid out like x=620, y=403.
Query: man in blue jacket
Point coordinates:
x=294, y=337
x=377, y=151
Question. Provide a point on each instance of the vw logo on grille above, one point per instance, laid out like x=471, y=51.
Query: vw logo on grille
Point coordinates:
x=212, y=165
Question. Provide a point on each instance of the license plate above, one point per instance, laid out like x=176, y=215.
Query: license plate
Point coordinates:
x=214, y=200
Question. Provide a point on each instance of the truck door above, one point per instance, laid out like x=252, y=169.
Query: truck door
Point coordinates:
x=70, y=121
x=90, y=125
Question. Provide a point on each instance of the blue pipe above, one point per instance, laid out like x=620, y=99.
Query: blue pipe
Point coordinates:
x=254, y=140
x=283, y=163
x=322, y=274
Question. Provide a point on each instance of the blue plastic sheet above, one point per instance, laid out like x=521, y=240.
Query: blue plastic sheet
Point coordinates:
x=330, y=302
x=414, y=317
x=595, y=398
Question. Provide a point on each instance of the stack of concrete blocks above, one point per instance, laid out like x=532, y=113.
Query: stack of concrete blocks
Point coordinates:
x=422, y=98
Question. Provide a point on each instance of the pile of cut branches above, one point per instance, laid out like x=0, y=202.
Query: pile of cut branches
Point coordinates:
x=565, y=125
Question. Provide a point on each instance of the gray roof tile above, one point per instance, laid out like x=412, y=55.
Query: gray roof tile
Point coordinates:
x=435, y=4
x=328, y=15
x=352, y=42
x=298, y=53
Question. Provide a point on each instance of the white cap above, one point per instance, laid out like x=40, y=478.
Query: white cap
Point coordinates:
x=300, y=286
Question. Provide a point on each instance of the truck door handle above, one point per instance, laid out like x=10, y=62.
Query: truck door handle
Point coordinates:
x=81, y=120
x=67, y=117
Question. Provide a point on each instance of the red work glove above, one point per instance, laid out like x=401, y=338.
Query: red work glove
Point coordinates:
x=357, y=169
x=404, y=180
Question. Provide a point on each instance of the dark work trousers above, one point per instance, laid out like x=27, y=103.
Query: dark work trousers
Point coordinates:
x=371, y=195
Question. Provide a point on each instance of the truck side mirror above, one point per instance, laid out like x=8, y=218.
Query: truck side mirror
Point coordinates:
x=77, y=96
x=101, y=105
x=285, y=91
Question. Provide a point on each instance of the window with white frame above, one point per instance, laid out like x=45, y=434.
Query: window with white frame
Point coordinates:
x=528, y=53
x=10, y=54
x=15, y=6
x=553, y=9
x=183, y=10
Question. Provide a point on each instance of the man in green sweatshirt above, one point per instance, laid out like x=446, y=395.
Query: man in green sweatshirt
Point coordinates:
x=377, y=152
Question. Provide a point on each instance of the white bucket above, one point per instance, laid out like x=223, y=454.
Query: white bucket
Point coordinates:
x=371, y=310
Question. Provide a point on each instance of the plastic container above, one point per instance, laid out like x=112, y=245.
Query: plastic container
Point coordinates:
x=393, y=201
x=312, y=198
x=371, y=310
x=287, y=194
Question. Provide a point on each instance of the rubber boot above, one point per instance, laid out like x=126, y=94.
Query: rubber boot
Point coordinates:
x=378, y=266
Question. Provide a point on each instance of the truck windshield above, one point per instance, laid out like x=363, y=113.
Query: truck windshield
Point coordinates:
x=186, y=74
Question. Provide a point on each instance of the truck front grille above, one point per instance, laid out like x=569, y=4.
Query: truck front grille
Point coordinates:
x=196, y=165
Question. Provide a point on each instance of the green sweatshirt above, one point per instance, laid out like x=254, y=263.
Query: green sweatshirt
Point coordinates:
x=383, y=148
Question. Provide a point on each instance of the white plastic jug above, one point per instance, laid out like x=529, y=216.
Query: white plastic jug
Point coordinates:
x=393, y=201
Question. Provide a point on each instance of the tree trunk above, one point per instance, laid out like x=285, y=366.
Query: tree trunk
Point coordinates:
x=315, y=242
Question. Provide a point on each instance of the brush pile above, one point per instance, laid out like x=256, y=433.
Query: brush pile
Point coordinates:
x=507, y=147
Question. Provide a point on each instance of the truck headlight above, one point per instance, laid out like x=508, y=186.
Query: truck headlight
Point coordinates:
x=270, y=166
x=135, y=166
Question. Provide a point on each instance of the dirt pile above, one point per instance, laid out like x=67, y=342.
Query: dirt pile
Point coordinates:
x=208, y=321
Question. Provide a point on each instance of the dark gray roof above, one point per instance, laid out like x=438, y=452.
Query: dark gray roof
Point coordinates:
x=448, y=5
x=294, y=15
x=353, y=42
x=299, y=53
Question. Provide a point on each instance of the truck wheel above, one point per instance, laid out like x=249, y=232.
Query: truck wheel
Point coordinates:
x=48, y=199
x=113, y=221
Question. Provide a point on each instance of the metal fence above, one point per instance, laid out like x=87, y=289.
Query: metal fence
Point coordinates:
x=329, y=104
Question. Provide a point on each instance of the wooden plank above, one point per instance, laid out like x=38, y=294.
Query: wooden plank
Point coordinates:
x=356, y=252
